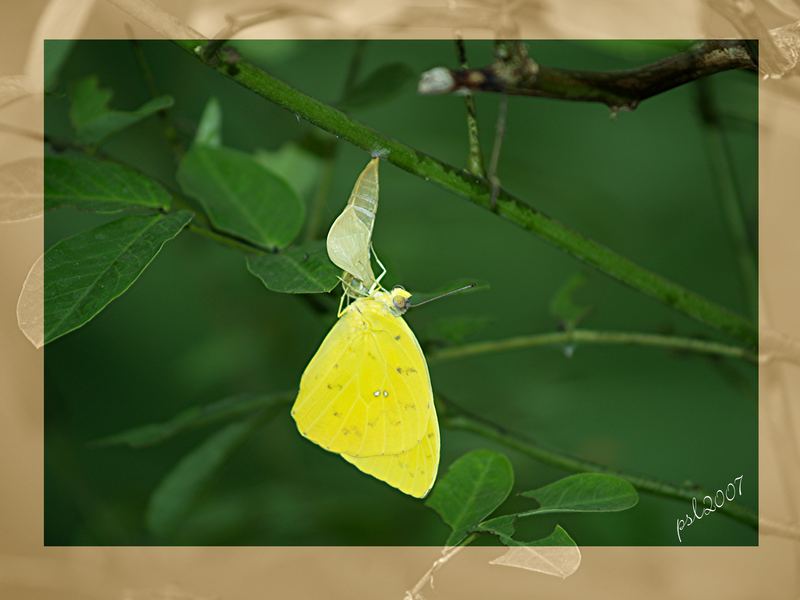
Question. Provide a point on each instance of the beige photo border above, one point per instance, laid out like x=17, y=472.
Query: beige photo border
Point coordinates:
x=771, y=570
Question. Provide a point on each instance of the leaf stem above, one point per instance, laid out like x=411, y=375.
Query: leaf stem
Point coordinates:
x=478, y=191
x=588, y=336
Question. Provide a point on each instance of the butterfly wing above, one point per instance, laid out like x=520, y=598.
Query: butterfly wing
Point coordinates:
x=366, y=392
x=413, y=471
x=350, y=235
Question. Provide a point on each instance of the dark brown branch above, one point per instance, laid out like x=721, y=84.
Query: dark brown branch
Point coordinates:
x=617, y=89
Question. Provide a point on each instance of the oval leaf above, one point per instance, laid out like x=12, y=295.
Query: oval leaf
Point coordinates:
x=174, y=495
x=21, y=190
x=473, y=487
x=98, y=185
x=241, y=197
x=584, y=492
x=304, y=269
x=93, y=120
x=84, y=273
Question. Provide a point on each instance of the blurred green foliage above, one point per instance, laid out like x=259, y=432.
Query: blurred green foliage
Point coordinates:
x=197, y=326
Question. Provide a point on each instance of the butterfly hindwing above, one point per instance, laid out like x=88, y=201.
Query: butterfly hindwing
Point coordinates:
x=413, y=471
x=366, y=392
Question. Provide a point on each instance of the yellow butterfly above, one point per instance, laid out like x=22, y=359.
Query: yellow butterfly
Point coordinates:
x=366, y=394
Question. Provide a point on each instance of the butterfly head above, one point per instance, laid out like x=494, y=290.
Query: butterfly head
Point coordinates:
x=400, y=299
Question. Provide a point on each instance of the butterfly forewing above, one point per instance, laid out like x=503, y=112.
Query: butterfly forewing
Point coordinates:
x=366, y=392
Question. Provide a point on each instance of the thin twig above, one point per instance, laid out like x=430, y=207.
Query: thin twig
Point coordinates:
x=475, y=156
x=478, y=191
x=617, y=89
x=588, y=336
x=499, y=135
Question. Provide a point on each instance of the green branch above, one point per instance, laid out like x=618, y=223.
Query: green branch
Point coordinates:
x=588, y=336
x=478, y=191
x=465, y=421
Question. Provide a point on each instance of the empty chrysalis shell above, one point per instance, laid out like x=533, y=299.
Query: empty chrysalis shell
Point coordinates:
x=350, y=235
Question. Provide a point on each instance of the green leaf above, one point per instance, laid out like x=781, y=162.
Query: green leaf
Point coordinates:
x=241, y=197
x=477, y=286
x=563, y=306
x=195, y=417
x=173, y=497
x=584, y=492
x=99, y=186
x=304, y=269
x=84, y=273
x=298, y=166
x=209, y=130
x=92, y=118
x=379, y=86
x=473, y=487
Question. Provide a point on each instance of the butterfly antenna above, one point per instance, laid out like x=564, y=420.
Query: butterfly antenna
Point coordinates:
x=464, y=288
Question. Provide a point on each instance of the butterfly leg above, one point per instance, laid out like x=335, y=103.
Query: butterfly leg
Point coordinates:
x=377, y=283
x=341, y=302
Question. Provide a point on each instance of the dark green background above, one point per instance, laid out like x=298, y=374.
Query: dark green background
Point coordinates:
x=198, y=327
